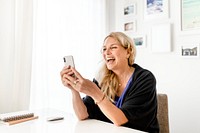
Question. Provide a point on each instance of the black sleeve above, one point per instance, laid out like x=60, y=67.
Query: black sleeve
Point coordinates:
x=140, y=102
x=92, y=109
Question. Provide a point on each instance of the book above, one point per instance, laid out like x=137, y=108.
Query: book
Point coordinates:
x=17, y=117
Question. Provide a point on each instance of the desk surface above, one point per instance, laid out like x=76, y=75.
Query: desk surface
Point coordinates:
x=69, y=125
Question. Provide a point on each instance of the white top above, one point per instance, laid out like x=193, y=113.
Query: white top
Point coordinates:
x=68, y=125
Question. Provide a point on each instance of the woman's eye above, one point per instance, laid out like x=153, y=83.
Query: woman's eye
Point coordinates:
x=103, y=49
x=113, y=47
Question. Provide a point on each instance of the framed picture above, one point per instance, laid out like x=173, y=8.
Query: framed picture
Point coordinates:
x=161, y=38
x=130, y=26
x=155, y=9
x=140, y=41
x=190, y=51
x=129, y=9
x=190, y=15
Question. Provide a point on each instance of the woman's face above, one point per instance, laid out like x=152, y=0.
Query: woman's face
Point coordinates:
x=114, y=54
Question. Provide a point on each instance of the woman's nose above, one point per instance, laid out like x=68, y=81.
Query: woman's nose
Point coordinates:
x=107, y=51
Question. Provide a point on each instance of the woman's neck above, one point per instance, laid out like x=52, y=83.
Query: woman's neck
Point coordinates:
x=125, y=73
x=123, y=78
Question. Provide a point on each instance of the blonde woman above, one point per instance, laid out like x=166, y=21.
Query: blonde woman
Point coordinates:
x=125, y=93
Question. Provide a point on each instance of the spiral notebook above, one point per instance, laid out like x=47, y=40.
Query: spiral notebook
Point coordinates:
x=17, y=117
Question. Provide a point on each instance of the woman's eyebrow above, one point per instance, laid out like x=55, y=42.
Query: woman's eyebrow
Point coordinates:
x=114, y=43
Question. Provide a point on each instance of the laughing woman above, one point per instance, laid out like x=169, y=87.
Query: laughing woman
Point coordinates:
x=125, y=93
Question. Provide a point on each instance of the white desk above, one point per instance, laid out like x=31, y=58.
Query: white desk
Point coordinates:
x=69, y=125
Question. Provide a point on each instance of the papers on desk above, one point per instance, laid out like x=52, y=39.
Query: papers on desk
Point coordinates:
x=17, y=117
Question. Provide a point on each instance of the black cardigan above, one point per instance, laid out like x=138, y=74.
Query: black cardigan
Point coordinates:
x=139, y=104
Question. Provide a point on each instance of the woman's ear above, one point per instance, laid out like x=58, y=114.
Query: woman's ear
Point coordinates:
x=128, y=54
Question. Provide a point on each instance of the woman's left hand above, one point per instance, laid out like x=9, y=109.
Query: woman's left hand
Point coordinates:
x=83, y=85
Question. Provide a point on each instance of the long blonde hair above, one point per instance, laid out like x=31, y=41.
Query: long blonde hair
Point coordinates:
x=108, y=80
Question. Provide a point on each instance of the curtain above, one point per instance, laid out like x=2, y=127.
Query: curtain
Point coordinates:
x=63, y=27
x=15, y=54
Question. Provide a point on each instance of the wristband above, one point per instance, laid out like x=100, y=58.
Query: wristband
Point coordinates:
x=100, y=100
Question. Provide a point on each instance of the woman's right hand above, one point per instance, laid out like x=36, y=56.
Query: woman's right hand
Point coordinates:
x=65, y=74
x=68, y=79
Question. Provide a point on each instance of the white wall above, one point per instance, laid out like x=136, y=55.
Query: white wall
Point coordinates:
x=178, y=77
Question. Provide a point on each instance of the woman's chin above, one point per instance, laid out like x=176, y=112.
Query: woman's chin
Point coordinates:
x=110, y=67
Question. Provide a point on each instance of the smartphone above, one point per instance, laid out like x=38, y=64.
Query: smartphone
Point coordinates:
x=69, y=60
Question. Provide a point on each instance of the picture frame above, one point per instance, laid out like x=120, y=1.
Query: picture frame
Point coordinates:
x=190, y=15
x=129, y=9
x=130, y=26
x=156, y=9
x=190, y=51
x=161, y=38
x=140, y=41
